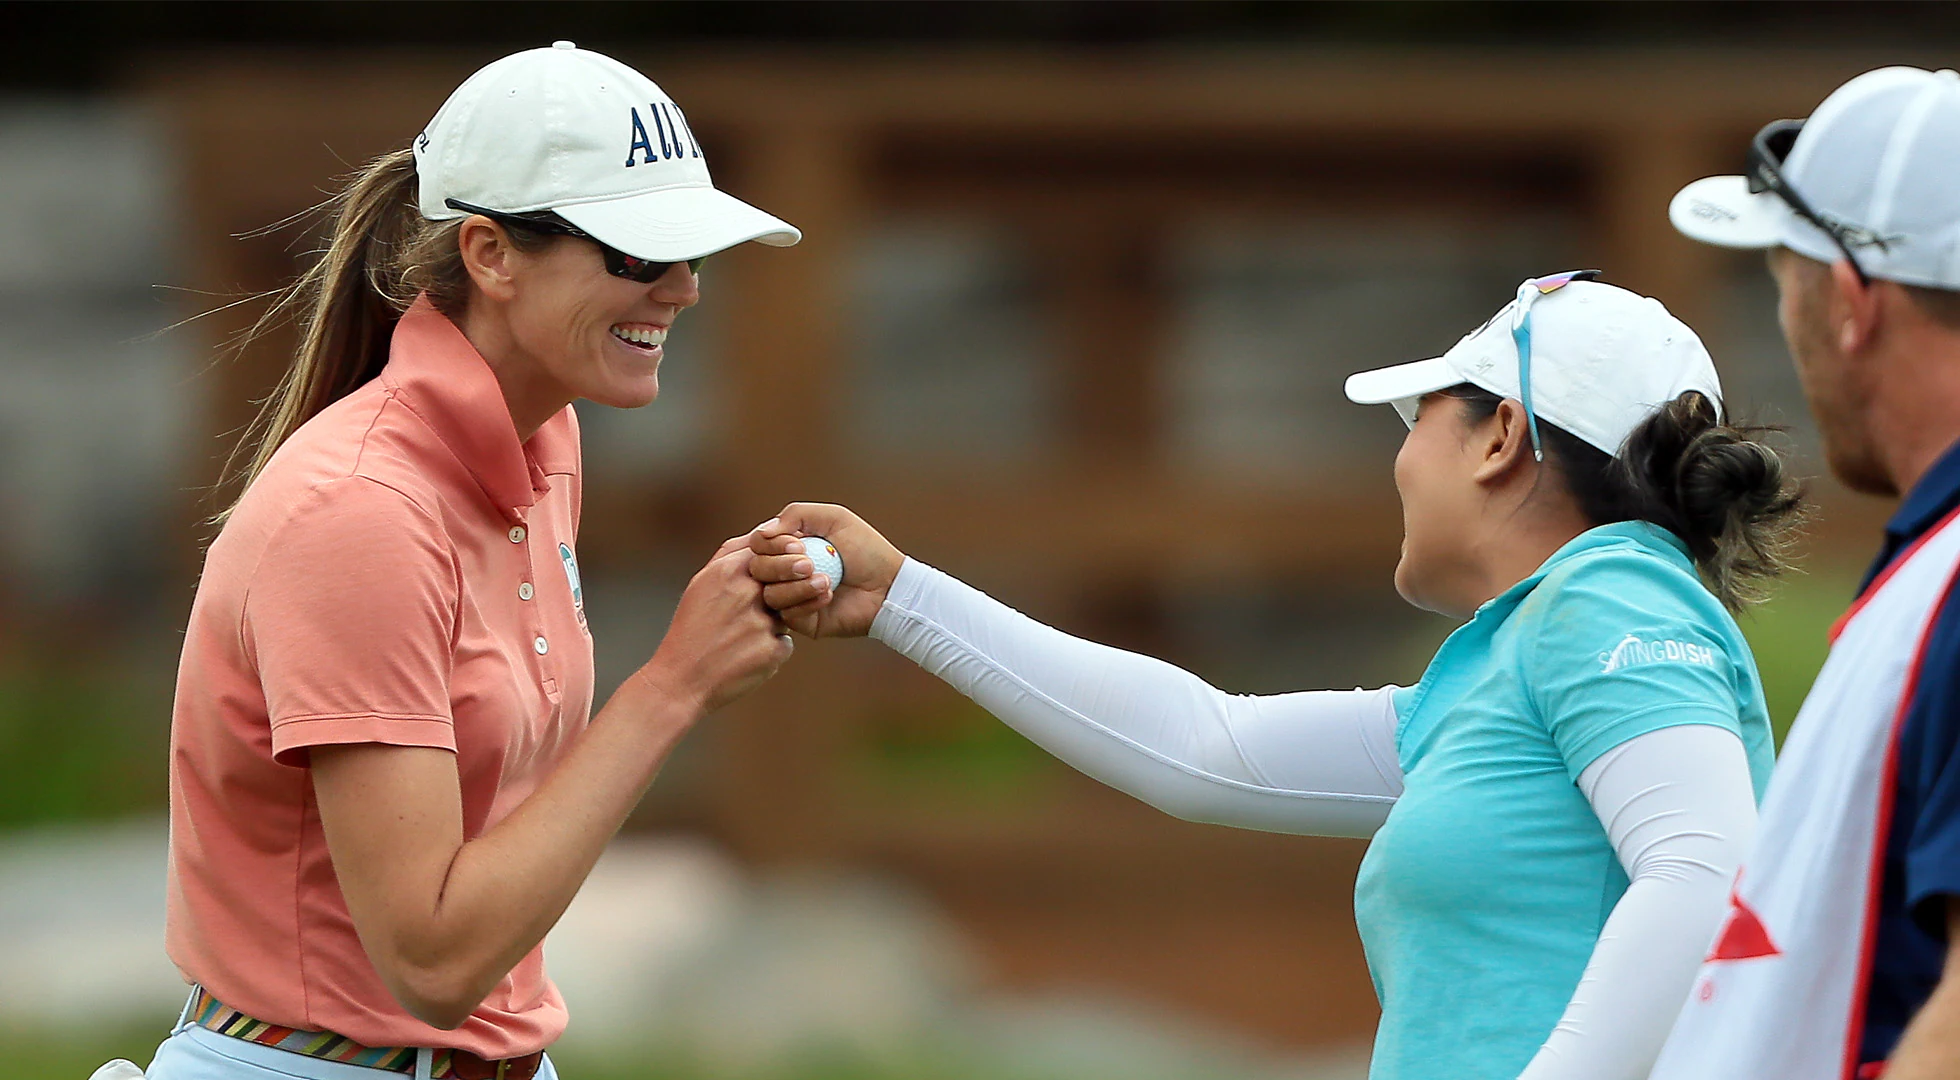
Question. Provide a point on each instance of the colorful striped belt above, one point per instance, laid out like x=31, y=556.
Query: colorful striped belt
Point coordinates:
x=209, y=1012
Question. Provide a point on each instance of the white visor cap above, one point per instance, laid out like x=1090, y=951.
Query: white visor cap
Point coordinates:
x=1603, y=360
x=1879, y=156
x=572, y=131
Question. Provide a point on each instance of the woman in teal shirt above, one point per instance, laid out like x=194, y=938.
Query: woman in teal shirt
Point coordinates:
x=1557, y=806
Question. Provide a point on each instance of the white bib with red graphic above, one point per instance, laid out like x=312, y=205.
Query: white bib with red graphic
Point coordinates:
x=1782, y=993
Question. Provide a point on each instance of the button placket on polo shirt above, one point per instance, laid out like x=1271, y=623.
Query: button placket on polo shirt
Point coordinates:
x=444, y=382
x=520, y=535
x=525, y=590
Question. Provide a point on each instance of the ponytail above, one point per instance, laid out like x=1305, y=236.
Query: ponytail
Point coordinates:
x=380, y=254
x=1715, y=485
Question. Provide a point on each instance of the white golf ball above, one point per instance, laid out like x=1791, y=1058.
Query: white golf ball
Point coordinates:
x=824, y=554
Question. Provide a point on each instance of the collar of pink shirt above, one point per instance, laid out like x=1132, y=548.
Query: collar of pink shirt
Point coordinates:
x=439, y=376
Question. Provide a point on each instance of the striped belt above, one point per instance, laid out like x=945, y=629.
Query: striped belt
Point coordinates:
x=208, y=1012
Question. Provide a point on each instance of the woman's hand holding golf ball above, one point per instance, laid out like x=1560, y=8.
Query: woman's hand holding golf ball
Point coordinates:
x=795, y=569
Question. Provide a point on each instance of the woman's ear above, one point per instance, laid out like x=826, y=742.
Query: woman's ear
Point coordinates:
x=487, y=255
x=1501, y=443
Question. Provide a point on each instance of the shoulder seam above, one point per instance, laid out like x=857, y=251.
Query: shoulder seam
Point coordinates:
x=313, y=494
x=389, y=398
x=434, y=432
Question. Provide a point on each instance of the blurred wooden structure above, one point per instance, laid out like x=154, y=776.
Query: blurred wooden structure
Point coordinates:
x=1088, y=156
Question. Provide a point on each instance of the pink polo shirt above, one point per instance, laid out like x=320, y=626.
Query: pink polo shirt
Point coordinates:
x=401, y=573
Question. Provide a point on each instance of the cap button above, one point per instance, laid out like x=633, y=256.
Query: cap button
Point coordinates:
x=563, y=45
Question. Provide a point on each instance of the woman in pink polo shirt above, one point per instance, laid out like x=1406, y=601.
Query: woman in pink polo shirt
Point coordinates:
x=386, y=781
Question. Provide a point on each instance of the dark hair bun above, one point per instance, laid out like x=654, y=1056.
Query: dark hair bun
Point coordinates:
x=1719, y=488
x=1724, y=479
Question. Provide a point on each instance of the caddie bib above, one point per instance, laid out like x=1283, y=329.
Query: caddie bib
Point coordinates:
x=1782, y=992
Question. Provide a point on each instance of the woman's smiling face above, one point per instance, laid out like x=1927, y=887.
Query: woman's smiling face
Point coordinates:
x=593, y=335
x=555, y=326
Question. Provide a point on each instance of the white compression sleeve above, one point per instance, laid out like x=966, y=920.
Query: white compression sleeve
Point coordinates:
x=1679, y=808
x=1320, y=763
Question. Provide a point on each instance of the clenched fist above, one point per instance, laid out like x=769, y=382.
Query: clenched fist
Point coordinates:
x=808, y=603
x=724, y=641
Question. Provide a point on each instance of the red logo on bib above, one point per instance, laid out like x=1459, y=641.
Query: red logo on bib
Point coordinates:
x=1743, y=936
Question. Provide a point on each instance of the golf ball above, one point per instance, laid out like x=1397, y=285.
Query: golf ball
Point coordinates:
x=824, y=554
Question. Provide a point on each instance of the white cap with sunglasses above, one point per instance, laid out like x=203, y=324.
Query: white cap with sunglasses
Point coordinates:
x=571, y=133
x=1870, y=177
x=1594, y=359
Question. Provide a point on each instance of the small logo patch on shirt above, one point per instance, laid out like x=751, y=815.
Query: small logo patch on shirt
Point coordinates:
x=1632, y=651
x=571, y=577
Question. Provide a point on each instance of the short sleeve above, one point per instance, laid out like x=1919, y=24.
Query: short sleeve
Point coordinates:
x=350, y=619
x=1930, y=775
x=1625, y=646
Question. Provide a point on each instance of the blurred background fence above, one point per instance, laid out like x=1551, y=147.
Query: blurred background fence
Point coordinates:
x=1079, y=287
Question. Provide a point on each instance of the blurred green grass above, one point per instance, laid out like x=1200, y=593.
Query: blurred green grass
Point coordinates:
x=950, y=754
x=56, y=1055
x=81, y=739
x=45, y=1054
x=1790, y=634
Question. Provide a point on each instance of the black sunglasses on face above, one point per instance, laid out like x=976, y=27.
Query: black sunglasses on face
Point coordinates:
x=618, y=263
x=1767, y=152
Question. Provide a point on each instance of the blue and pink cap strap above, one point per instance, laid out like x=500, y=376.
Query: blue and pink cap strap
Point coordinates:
x=1528, y=293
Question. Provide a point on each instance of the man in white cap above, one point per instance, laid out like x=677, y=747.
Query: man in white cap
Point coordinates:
x=1834, y=959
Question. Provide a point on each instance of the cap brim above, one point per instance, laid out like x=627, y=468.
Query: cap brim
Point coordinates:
x=1390, y=384
x=1720, y=210
x=677, y=223
x=1402, y=385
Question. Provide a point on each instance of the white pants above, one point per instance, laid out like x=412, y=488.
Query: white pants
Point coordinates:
x=197, y=1053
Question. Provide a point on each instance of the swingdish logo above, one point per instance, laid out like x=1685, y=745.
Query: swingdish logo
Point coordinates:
x=1632, y=651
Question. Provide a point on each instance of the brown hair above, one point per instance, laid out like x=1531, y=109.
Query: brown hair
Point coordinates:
x=1714, y=484
x=380, y=254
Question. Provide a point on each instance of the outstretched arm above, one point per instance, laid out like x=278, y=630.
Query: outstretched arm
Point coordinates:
x=1320, y=763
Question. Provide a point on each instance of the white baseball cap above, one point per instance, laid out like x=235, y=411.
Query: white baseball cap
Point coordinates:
x=1601, y=360
x=581, y=134
x=1877, y=161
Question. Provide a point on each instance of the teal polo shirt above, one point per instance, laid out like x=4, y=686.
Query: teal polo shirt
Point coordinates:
x=1482, y=895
